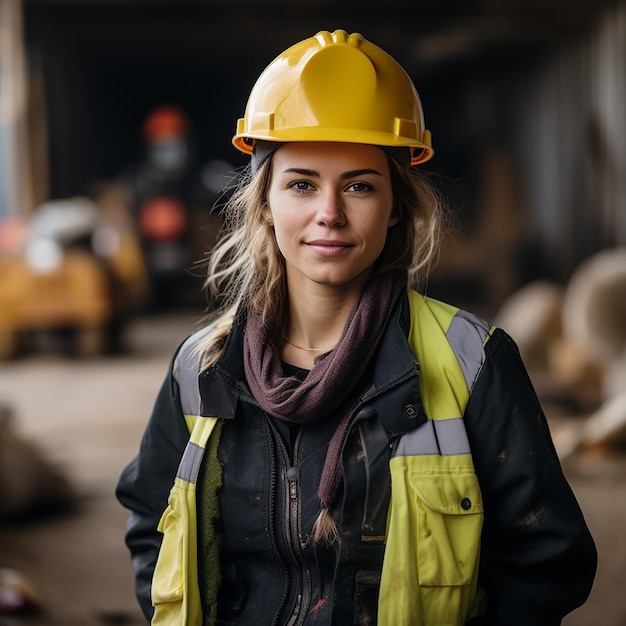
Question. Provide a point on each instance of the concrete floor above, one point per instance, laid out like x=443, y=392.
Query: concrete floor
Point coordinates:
x=88, y=416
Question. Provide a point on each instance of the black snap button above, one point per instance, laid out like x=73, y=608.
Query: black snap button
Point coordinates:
x=466, y=504
x=410, y=410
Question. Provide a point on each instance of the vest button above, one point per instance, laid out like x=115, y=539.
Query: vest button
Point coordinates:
x=410, y=410
x=466, y=504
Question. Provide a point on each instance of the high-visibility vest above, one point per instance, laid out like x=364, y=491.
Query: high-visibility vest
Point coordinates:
x=430, y=566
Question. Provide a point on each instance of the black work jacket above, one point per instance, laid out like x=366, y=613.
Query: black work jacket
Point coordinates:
x=533, y=568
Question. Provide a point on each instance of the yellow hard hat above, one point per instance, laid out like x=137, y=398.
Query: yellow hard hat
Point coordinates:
x=335, y=87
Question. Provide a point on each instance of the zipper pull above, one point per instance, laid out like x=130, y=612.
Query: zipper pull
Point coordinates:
x=292, y=477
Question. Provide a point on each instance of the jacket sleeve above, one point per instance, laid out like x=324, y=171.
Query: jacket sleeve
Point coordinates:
x=145, y=484
x=538, y=559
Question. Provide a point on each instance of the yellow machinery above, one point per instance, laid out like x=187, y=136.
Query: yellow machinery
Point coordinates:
x=67, y=272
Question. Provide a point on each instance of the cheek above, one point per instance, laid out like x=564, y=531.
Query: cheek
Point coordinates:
x=281, y=240
x=382, y=233
x=289, y=218
x=285, y=232
x=378, y=224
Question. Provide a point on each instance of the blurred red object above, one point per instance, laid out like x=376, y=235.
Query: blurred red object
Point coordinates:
x=162, y=218
x=12, y=235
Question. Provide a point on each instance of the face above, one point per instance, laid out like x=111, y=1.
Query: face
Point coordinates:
x=331, y=205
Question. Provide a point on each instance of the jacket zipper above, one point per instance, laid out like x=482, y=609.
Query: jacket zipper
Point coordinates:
x=292, y=534
x=292, y=474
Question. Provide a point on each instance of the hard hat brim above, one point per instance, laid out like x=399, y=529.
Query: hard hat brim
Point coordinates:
x=421, y=151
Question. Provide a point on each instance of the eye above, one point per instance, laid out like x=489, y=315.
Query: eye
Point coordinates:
x=300, y=186
x=359, y=187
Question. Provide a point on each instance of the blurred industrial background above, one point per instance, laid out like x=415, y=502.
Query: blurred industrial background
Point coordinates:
x=115, y=125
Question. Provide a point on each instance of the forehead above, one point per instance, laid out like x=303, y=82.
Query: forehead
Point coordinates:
x=337, y=155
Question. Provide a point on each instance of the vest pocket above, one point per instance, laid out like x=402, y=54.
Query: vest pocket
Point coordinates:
x=449, y=515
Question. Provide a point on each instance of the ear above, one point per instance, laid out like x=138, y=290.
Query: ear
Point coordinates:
x=393, y=220
x=266, y=211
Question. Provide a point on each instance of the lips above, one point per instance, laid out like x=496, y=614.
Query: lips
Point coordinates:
x=328, y=247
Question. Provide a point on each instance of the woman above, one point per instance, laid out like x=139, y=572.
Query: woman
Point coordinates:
x=343, y=449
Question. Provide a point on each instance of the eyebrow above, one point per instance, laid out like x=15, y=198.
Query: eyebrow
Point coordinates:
x=316, y=174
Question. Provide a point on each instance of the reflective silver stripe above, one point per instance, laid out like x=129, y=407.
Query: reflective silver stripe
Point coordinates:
x=190, y=463
x=186, y=368
x=444, y=437
x=466, y=336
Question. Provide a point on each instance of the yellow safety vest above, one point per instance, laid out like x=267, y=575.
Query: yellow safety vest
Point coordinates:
x=430, y=567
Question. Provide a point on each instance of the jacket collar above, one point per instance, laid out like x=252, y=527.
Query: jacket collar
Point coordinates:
x=223, y=384
x=395, y=394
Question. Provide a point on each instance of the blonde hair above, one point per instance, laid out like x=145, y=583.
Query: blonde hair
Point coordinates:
x=246, y=268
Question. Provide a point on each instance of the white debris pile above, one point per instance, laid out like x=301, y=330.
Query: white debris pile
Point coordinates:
x=30, y=484
x=573, y=338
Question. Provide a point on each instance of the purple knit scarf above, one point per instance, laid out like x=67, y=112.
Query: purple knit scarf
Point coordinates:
x=337, y=380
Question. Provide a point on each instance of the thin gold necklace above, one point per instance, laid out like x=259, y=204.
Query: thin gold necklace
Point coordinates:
x=291, y=343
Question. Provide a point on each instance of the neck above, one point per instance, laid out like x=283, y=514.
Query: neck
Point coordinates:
x=315, y=319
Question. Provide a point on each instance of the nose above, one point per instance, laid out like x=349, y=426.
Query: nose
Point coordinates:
x=330, y=211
